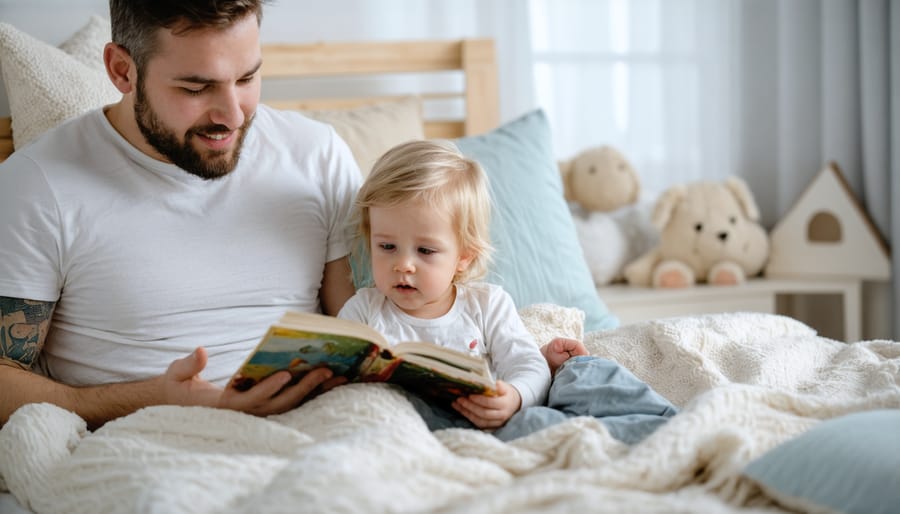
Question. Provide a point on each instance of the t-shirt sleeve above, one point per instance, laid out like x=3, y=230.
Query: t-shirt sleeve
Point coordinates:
x=30, y=246
x=342, y=181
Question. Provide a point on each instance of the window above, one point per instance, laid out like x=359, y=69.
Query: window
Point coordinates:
x=650, y=77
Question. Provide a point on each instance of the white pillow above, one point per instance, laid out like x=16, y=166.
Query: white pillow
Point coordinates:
x=371, y=130
x=48, y=85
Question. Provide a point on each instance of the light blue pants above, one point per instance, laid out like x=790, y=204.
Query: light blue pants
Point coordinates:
x=583, y=386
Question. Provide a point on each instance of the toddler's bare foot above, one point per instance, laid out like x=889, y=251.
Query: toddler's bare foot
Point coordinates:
x=560, y=350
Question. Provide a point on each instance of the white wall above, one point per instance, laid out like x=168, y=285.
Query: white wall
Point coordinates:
x=338, y=20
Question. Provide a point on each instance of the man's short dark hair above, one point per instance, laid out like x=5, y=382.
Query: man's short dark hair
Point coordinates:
x=135, y=23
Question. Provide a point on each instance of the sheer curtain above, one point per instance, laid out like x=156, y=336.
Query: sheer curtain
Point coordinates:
x=699, y=89
x=650, y=77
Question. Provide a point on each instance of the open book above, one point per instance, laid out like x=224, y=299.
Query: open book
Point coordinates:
x=301, y=342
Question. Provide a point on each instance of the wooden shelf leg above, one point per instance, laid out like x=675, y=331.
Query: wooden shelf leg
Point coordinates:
x=853, y=312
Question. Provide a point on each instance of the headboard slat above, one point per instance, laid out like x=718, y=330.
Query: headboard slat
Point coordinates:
x=323, y=59
x=314, y=104
x=447, y=129
x=482, y=103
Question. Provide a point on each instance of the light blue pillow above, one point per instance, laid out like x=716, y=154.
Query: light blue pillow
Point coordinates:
x=538, y=257
x=849, y=464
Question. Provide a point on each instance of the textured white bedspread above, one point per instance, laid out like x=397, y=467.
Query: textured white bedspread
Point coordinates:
x=745, y=382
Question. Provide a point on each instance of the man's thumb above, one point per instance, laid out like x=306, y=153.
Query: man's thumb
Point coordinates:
x=190, y=366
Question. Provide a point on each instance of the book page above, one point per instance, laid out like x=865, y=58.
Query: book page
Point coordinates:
x=453, y=357
x=477, y=371
x=323, y=324
x=442, y=385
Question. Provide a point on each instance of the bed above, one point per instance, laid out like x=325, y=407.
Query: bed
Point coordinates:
x=748, y=384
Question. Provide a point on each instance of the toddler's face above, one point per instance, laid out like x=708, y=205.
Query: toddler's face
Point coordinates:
x=415, y=254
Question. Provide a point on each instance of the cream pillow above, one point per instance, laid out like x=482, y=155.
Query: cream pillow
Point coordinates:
x=373, y=129
x=48, y=85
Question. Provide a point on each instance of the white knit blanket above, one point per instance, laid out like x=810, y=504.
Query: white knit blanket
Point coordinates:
x=745, y=382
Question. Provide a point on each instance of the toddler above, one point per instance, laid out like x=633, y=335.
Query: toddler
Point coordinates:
x=424, y=214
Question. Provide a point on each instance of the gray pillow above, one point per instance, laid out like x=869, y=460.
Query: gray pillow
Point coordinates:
x=849, y=464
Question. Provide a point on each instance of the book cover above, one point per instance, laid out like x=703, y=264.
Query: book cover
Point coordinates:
x=301, y=342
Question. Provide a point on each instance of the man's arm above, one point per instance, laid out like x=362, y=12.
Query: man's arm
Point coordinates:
x=337, y=285
x=96, y=405
x=23, y=330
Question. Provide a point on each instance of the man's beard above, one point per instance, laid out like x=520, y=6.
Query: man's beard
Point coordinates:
x=182, y=154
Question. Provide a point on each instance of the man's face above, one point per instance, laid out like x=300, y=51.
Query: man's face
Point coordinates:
x=197, y=95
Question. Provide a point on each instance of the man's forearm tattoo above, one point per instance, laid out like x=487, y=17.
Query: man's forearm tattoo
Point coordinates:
x=23, y=327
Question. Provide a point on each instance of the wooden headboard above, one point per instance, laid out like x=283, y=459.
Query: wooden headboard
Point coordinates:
x=6, y=144
x=474, y=58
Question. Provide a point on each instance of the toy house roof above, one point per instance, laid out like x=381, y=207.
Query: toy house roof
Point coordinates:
x=827, y=233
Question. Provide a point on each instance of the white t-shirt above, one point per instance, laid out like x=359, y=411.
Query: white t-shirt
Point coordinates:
x=147, y=261
x=481, y=312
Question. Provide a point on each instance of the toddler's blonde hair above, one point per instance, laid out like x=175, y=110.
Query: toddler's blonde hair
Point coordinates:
x=437, y=174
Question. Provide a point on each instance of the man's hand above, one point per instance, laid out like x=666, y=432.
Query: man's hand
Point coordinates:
x=490, y=411
x=183, y=386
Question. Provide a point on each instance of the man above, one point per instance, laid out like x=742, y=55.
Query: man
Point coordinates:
x=146, y=246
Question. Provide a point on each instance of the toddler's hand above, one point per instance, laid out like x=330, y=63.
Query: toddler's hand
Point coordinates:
x=490, y=411
x=560, y=350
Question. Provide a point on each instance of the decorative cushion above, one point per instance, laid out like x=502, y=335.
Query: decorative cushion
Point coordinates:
x=547, y=321
x=538, y=258
x=372, y=130
x=849, y=464
x=48, y=85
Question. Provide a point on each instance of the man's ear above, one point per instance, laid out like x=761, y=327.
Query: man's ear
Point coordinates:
x=120, y=67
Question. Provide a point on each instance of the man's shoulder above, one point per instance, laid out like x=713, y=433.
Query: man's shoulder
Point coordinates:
x=61, y=143
x=305, y=139
x=291, y=131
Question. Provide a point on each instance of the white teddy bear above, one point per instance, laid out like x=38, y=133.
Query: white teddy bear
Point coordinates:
x=613, y=226
x=610, y=240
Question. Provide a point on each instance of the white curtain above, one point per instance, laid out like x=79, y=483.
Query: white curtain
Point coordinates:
x=699, y=89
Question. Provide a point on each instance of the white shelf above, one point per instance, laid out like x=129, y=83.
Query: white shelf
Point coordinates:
x=632, y=304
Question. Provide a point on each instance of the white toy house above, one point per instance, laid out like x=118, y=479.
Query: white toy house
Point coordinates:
x=827, y=234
